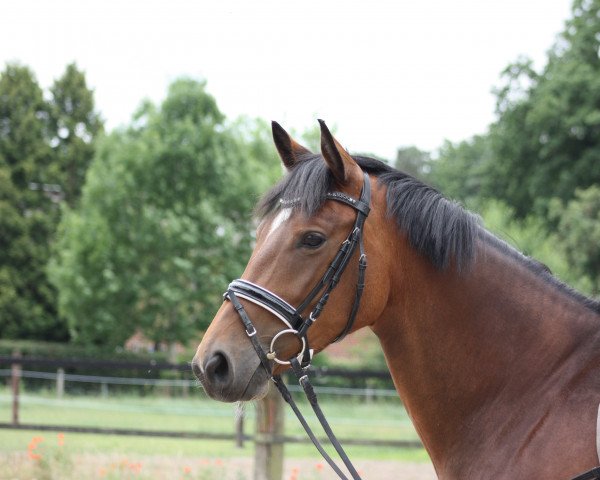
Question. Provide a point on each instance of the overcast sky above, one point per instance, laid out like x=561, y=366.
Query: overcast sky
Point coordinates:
x=386, y=73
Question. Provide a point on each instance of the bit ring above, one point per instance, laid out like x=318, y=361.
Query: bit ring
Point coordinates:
x=272, y=355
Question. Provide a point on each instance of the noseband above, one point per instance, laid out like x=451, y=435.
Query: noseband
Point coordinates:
x=296, y=324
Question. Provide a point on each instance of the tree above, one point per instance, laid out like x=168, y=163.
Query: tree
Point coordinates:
x=461, y=170
x=164, y=221
x=530, y=235
x=579, y=234
x=27, y=300
x=413, y=161
x=541, y=158
x=546, y=141
x=75, y=124
x=31, y=188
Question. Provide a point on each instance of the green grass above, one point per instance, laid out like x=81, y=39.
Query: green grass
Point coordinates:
x=17, y=440
x=349, y=419
x=153, y=413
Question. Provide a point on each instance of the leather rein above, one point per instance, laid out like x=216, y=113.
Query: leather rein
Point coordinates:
x=298, y=325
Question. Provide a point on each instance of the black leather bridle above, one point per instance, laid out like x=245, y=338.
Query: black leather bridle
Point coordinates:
x=298, y=325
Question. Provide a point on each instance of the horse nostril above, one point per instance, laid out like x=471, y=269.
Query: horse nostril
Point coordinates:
x=197, y=370
x=216, y=368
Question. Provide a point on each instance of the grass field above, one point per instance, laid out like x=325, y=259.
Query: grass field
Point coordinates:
x=384, y=419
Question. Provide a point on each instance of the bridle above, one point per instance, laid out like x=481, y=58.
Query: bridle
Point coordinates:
x=292, y=317
x=298, y=325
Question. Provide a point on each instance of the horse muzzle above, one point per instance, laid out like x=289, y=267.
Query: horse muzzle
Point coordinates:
x=230, y=377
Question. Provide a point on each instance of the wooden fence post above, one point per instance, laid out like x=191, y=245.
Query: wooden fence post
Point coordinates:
x=239, y=425
x=16, y=378
x=60, y=382
x=268, y=443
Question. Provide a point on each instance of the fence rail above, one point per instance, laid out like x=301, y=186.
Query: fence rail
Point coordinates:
x=16, y=373
x=205, y=435
x=154, y=365
x=60, y=376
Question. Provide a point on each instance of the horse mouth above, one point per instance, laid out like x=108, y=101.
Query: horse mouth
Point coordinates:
x=254, y=388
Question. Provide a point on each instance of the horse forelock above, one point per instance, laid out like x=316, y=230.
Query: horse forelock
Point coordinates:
x=304, y=188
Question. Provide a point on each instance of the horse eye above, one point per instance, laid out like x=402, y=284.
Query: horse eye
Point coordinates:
x=312, y=240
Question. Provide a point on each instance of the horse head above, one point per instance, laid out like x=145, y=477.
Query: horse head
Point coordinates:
x=311, y=244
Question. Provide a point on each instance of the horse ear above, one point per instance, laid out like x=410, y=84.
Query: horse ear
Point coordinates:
x=337, y=158
x=288, y=149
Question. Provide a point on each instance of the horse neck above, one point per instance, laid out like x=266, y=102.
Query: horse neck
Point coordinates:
x=462, y=345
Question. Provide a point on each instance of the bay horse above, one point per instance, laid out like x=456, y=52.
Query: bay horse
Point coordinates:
x=496, y=361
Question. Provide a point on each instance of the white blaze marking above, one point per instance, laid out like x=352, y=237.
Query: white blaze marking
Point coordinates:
x=281, y=217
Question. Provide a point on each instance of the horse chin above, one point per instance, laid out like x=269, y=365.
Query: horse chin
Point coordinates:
x=257, y=386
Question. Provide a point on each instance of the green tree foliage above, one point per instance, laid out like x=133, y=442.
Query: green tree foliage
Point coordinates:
x=32, y=180
x=579, y=234
x=413, y=161
x=75, y=124
x=561, y=250
x=546, y=141
x=541, y=158
x=460, y=170
x=27, y=217
x=164, y=221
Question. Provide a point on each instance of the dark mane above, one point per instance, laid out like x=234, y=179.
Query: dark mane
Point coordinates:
x=438, y=228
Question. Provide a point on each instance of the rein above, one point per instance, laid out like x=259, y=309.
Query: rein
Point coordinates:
x=298, y=325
